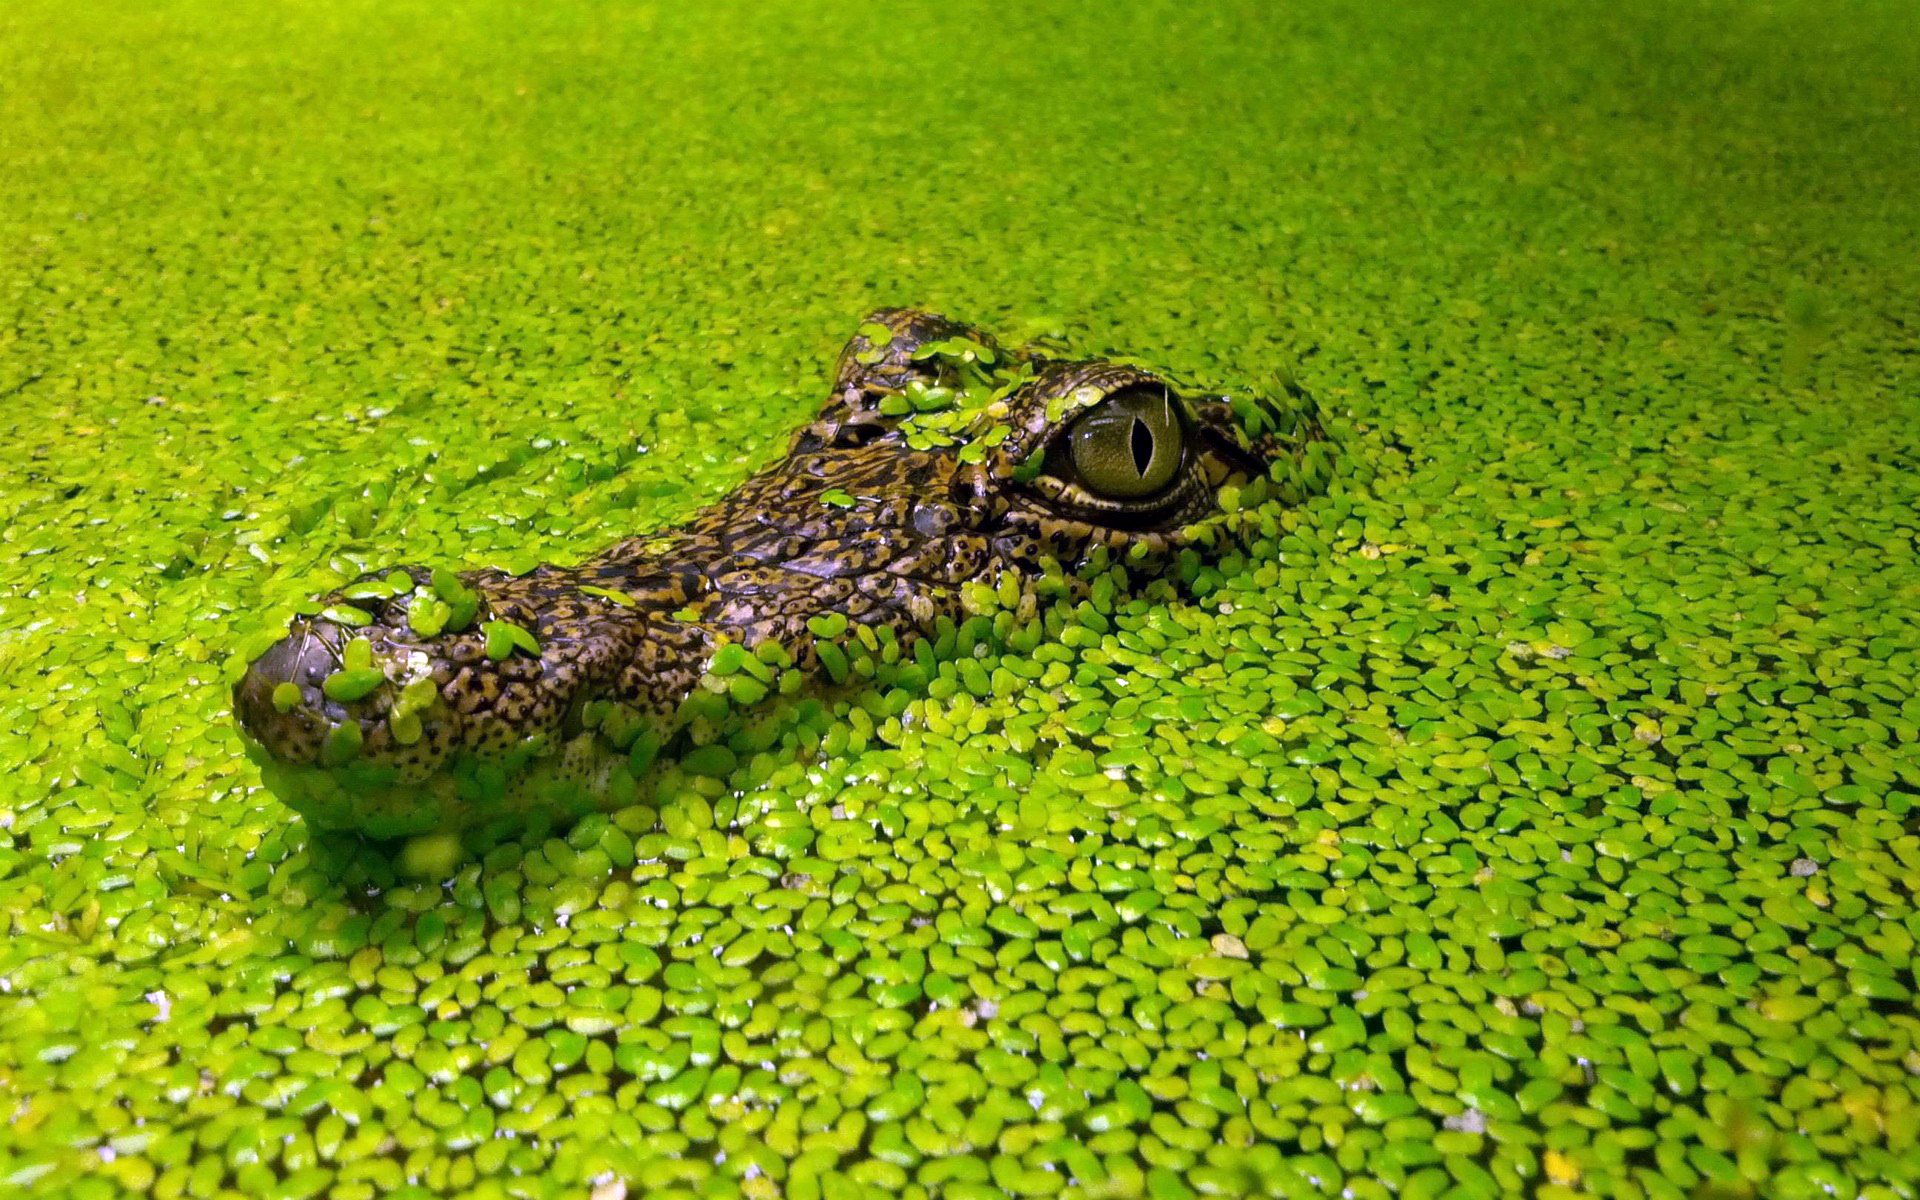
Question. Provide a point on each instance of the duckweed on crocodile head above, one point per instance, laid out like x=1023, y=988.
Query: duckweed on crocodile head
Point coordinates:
x=1533, y=814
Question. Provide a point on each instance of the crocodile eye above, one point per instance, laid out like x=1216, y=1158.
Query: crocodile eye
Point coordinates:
x=1128, y=447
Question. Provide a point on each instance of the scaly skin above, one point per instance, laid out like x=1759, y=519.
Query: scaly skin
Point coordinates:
x=853, y=521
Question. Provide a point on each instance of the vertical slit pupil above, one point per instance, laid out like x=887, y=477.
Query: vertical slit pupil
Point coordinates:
x=1142, y=444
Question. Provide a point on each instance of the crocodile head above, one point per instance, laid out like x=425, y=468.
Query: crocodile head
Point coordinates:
x=945, y=476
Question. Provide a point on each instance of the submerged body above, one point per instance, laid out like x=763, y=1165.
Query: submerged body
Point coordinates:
x=942, y=470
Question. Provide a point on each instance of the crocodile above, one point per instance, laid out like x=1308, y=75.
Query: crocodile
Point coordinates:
x=946, y=478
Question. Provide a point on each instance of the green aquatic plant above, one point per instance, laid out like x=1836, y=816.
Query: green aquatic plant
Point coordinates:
x=1534, y=816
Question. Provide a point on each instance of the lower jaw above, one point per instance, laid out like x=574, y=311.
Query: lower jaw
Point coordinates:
x=472, y=803
x=716, y=744
x=482, y=800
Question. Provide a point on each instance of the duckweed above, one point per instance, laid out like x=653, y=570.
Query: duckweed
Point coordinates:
x=352, y=683
x=1534, y=813
x=504, y=637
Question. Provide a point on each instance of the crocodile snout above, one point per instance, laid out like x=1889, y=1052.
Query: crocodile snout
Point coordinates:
x=281, y=702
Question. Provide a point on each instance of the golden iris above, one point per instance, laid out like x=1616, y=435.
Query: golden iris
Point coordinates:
x=1128, y=447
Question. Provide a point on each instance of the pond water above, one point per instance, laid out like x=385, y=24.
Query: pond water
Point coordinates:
x=1537, y=817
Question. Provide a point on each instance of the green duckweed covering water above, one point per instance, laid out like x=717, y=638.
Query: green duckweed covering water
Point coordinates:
x=1538, y=817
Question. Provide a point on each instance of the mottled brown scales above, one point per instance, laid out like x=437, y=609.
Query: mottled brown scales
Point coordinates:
x=778, y=550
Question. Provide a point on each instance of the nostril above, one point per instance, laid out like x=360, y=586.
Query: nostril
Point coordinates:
x=291, y=660
x=301, y=660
